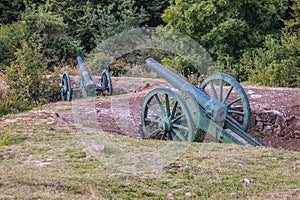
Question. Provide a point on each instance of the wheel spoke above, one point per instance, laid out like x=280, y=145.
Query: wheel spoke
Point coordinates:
x=231, y=93
x=221, y=89
x=165, y=114
x=151, y=120
x=178, y=134
x=228, y=93
x=167, y=105
x=158, y=101
x=155, y=132
x=236, y=112
x=173, y=135
x=234, y=101
x=174, y=110
x=213, y=89
x=177, y=118
x=233, y=121
x=154, y=110
x=66, y=91
x=180, y=127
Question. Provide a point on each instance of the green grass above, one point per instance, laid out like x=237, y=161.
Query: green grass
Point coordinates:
x=67, y=161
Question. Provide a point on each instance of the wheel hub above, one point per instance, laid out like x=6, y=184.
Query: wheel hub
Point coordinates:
x=165, y=124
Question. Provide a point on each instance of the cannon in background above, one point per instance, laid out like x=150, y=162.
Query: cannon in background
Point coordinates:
x=87, y=86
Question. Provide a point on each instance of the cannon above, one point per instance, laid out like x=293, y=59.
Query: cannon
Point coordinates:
x=218, y=107
x=87, y=86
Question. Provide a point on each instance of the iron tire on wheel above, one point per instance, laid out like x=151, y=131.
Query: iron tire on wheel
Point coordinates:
x=66, y=91
x=106, y=83
x=234, y=96
x=166, y=116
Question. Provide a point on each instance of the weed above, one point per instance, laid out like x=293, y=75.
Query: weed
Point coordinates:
x=5, y=137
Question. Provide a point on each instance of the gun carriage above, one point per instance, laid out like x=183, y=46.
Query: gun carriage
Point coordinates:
x=219, y=107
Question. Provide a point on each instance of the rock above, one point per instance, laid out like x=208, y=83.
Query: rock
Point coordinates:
x=245, y=180
x=270, y=121
x=259, y=126
x=268, y=129
x=280, y=119
x=277, y=129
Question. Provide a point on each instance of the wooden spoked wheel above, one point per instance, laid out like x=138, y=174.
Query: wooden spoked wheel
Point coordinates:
x=66, y=91
x=228, y=91
x=106, y=84
x=166, y=116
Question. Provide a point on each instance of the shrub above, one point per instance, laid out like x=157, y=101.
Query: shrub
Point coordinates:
x=10, y=37
x=28, y=79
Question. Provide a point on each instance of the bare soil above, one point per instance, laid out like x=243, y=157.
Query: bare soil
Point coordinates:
x=275, y=112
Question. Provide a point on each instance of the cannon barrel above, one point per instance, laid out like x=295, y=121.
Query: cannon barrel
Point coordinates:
x=81, y=64
x=88, y=87
x=216, y=109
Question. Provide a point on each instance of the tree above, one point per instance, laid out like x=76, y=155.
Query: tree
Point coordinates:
x=10, y=37
x=277, y=62
x=42, y=26
x=104, y=22
x=226, y=28
x=154, y=10
x=87, y=20
x=10, y=11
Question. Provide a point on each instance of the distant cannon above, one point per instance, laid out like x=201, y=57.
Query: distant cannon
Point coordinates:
x=87, y=86
x=219, y=107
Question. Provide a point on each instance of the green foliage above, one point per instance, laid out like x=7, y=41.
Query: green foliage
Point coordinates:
x=11, y=103
x=10, y=37
x=27, y=78
x=293, y=24
x=92, y=20
x=153, y=10
x=107, y=23
x=179, y=65
x=42, y=26
x=277, y=62
x=10, y=10
x=226, y=28
x=5, y=137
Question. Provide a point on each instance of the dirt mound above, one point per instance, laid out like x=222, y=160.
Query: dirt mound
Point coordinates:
x=275, y=112
x=275, y=116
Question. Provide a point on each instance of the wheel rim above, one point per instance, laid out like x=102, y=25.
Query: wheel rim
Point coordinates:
x=66, y=91
x=106, y=84
x=228, y=90
x=166, y=116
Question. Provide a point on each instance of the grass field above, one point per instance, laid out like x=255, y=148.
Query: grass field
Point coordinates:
x=44, y=157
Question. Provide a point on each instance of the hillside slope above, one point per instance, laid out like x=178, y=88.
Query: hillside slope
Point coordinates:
x=79, y=150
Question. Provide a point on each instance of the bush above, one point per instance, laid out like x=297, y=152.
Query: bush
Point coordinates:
x=277, y=62
x=10, y=37
x=28, y=79
x=42, y=26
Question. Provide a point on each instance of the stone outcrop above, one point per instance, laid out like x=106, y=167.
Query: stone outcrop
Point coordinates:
x=273, y=125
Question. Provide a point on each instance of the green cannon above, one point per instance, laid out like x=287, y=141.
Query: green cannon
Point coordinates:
x=87, y=86
x=219, y=107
